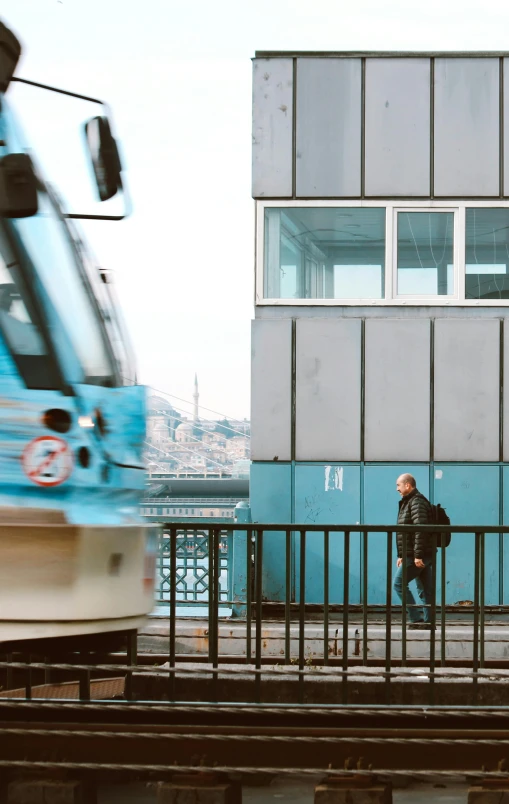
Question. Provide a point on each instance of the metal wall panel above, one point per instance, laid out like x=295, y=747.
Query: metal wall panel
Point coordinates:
x=328, y=147
x=381, y=508
x=397, y=390
x=506, y=392
x=467, y=390
x=506, y=127
x=470, y=494
x=272, y=128
x=397, y=127
x=271, y=390
x=504, y=585
x=467, y=127
x=270, y=490
x=328, y=495
x=328, y=389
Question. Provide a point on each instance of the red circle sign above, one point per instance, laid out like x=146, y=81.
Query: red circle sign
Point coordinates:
x=47, y=461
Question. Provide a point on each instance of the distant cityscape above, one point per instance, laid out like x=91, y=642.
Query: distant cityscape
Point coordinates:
x=191, y=446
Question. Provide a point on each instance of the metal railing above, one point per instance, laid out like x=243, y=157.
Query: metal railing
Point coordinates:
x=189, y=502
x=191, y=578
x=361, y=650
x=352, y=658
x=159, y=716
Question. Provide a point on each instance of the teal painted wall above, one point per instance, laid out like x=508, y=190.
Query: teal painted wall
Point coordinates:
x=346, y=494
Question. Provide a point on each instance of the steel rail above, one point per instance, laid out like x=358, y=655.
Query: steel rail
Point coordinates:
x=335, y=710
x=245, y=734
x=250, y=771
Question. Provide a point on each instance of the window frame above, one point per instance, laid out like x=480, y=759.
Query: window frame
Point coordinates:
x=392, y=206
x=417, y=298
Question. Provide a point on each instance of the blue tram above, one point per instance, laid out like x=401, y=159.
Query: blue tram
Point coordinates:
x=75, y=557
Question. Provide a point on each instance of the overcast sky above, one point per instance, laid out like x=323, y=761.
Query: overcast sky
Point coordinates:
x=177, y=74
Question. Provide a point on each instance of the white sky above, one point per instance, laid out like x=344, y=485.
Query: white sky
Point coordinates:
x=177, y=74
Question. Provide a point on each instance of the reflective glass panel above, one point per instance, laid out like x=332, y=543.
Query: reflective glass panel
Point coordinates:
x=425, y=253
x=324, y=253
x=20, y=319
x=487, y=255
x=16, y=322
x=50, y=248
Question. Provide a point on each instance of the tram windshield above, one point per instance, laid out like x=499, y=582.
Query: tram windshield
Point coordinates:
x=20, y=324
x=66, y=287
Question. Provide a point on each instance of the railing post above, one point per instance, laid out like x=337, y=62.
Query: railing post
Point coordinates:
x=239, y=561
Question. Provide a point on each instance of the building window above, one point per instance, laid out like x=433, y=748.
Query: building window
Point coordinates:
x=487, y=253
x=382, y=253
x=425, y=253
x=324, y=253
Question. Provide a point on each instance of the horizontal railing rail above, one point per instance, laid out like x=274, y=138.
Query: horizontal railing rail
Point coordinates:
x=354, y=528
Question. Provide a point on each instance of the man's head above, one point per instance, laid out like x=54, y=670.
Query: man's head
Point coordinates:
x=405, y=484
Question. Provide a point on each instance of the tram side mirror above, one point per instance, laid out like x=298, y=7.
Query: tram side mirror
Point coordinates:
x=18, y=187
x=10, y=51
x=103, y=151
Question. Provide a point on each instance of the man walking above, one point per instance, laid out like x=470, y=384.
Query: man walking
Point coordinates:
x=414, y=509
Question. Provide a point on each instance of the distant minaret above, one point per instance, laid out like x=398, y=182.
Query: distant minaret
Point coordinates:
x=196, y=397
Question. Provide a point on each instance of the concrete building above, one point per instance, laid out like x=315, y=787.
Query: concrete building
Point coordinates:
x=380, y=339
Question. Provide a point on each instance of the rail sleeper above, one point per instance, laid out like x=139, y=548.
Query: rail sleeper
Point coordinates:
x=45, y=791
x=353, y=791
x=494, y=794
x=200, y=788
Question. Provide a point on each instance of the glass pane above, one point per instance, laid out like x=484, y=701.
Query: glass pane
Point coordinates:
x=16, y=322
x=425, y=253
x=487, y=255
x=50, y=248
x=318, y=253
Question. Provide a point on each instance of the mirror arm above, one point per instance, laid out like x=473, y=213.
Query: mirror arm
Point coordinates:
x=61, y=91
x=127, y=197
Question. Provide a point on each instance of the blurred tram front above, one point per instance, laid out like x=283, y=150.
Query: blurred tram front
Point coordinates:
x=75, y=557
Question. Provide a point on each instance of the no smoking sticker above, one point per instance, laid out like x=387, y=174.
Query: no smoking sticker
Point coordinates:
x=47, y=461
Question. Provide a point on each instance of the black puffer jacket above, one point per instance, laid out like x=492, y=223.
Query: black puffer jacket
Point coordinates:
x=414, y=509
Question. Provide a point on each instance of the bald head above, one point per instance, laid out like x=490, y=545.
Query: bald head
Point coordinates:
x=405, y=484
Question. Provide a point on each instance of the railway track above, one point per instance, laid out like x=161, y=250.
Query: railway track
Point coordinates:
x=133, y=739
x=162, y=739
